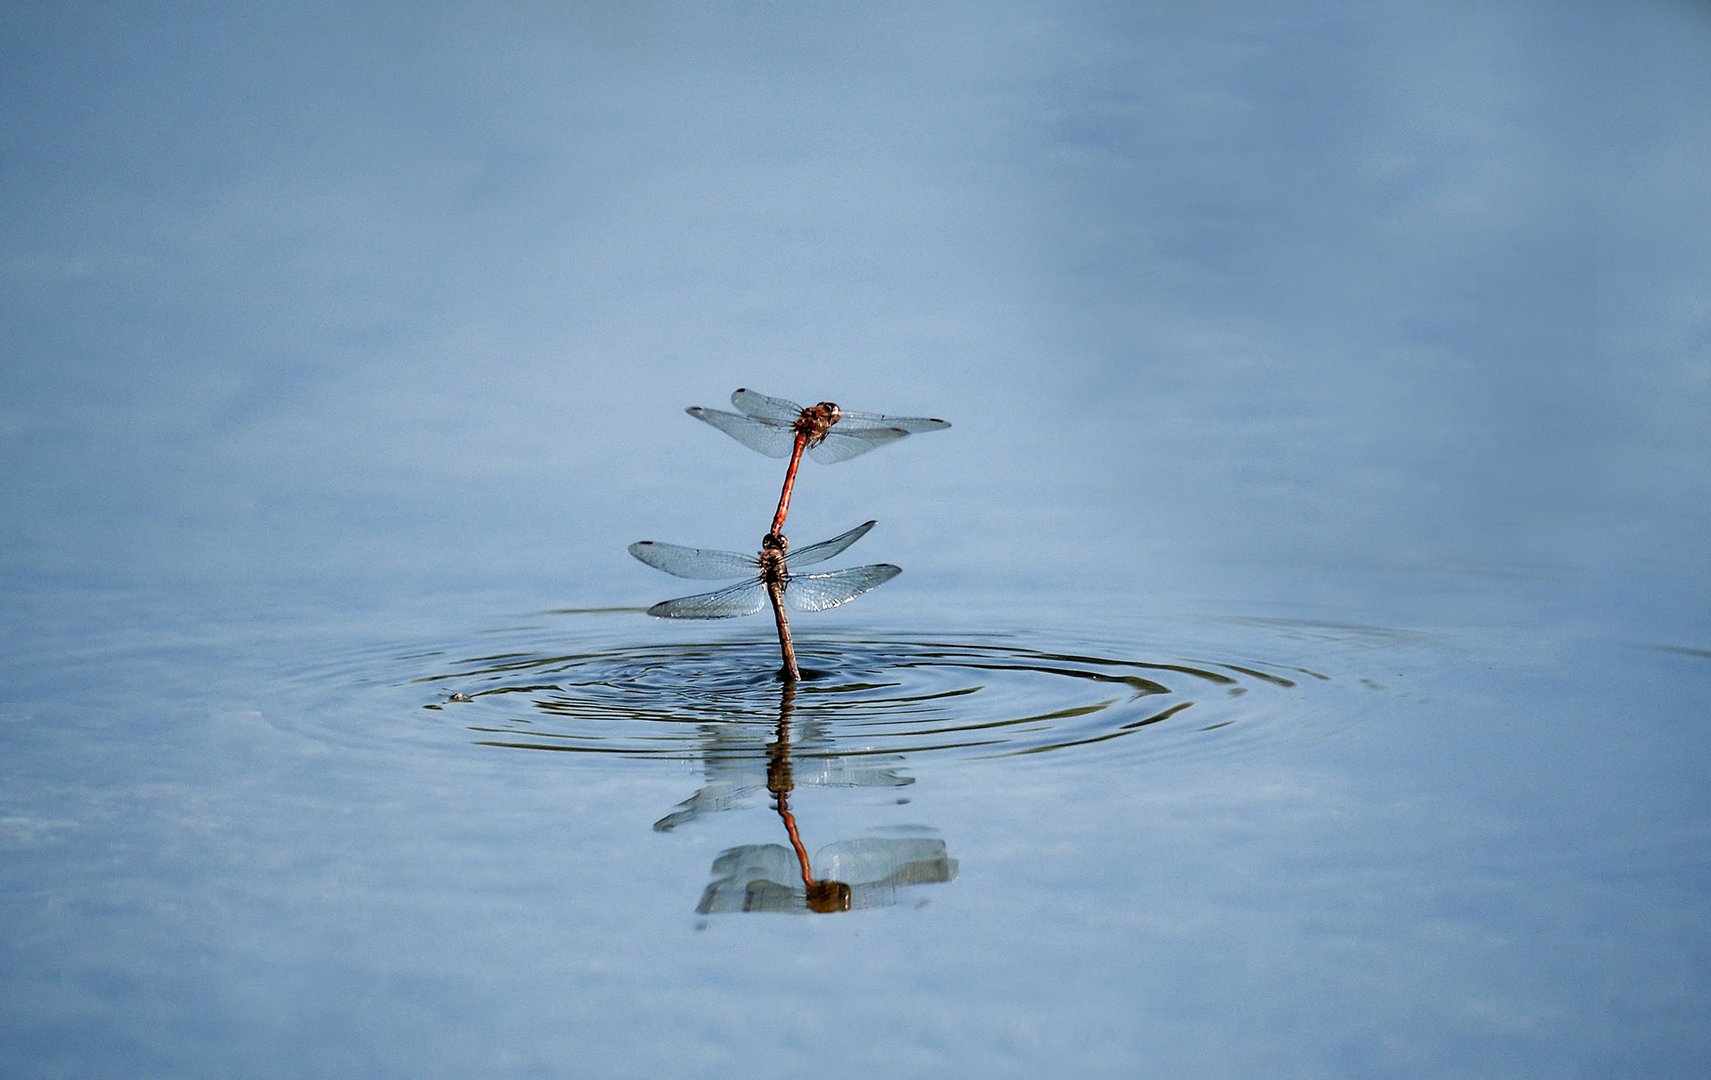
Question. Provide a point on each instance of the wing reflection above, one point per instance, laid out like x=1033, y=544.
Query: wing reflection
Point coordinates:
x=846, y=875
x=851, y=875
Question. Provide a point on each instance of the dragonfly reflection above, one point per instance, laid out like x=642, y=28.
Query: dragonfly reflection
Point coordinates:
x=846, y=875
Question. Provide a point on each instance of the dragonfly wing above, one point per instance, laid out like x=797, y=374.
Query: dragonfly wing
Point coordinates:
x=910, y=424
x=762, y=407
x=743, y=598
x=691, y=562
x=817, y=592
x=770, y=438
x=825, y=549
x=841, y=445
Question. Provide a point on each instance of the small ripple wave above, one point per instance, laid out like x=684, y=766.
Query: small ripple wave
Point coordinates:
x=983, y=697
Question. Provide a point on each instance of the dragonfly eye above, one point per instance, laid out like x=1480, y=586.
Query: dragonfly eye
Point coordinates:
x=775, y=542
x=833, y=413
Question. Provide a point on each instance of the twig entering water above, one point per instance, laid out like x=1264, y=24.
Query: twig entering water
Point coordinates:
x=774, y=548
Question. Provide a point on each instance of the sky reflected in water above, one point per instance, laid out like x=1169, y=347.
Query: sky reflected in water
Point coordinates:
x=1300, y=656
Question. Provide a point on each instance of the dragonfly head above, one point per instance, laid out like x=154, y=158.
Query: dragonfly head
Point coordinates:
x=816, y=421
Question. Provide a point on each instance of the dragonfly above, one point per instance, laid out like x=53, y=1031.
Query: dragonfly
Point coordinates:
x=769, y=576
x=826, y=432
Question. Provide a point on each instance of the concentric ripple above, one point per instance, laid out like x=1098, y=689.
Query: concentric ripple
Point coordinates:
x=981, y=697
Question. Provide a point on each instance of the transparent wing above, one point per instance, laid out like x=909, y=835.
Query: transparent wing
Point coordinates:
x=858, y=432
x=908, y=424
x=825, y=549
x=694, y=562
x=771, y=439
x=817, y=592
x=841, y=444
x=743, y=598
x=766, y=408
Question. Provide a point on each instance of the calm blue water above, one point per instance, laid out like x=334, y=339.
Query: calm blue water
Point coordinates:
x=1300, y=664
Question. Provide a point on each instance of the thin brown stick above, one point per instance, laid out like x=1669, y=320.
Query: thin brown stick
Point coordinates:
x=789, y=486
x=790, y=673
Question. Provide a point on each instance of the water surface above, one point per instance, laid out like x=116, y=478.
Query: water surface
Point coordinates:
x=1300, y=660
